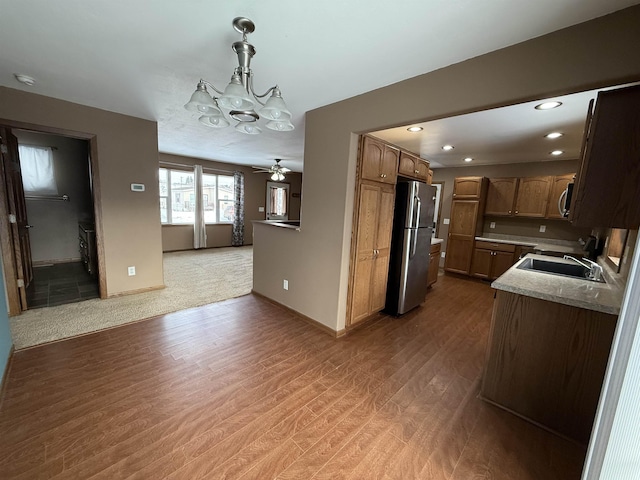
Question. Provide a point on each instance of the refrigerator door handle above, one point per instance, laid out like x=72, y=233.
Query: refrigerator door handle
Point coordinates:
x=416, y=200
x=414, y=232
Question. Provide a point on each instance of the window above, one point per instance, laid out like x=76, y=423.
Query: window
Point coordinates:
x=177, y=197
x=36, y=165
x=277, y=200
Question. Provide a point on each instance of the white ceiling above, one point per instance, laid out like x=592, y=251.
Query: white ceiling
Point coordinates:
x=513, y=134
x=144, y=57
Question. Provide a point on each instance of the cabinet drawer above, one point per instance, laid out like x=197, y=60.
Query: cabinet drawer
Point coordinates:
x=496, y=247
x=435, y=248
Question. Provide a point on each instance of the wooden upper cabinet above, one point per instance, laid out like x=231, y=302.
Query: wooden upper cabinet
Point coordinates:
x=413, y=167
x=558, y=186
x=533, y=196
x=379, y=161
x=501, y=196
x=607, y=189
x=467, y=188
x=430, y=177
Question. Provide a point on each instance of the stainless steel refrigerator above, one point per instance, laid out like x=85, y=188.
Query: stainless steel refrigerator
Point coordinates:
x=410, y=246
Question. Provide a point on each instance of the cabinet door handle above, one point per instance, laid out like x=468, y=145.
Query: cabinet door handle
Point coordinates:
x=382, y=175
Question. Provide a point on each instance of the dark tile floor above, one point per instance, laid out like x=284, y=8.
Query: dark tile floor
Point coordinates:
x=61, y=283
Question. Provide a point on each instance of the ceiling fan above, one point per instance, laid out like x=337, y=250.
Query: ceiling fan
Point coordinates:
x=277, y=171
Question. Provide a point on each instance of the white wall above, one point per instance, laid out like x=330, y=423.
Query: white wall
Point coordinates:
x=614, y=452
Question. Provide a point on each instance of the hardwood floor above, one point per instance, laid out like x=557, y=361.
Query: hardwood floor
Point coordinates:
x=245, y=390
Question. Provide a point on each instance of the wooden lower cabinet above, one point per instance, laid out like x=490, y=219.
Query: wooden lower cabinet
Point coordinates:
x=490, y=260
x=459, y=253
x=434, y=263
x=370, y=265
x=546, y=362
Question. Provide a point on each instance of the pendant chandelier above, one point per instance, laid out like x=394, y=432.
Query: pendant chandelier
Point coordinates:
x=239, y=96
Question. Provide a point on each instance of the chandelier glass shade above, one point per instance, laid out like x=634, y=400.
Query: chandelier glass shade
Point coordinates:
x=239, y=96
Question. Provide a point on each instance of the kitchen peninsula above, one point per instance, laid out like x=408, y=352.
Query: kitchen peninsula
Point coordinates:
x=549, y=345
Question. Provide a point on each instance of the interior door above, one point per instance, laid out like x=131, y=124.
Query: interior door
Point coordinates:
x=17, y=212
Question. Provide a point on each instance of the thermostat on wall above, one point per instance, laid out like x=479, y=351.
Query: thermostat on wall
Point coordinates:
x=137, y=187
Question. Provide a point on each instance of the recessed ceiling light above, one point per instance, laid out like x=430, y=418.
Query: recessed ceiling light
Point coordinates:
x=26, y=79
x=557, y=152
x=553, y=135
x=415, y=129
x=446, y=148
x=468, y=159
x=548, y=105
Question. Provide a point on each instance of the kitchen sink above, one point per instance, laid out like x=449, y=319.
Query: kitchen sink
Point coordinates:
x=562, y=268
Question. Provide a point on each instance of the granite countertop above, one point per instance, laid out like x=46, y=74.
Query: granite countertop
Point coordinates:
x=290, y=224
x=436, y=240
x=600, y=297
x=538, y=244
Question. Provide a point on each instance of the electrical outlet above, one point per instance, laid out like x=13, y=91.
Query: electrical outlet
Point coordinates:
x=442, y=254
x=131, y=271
x=543, y=228
x=492, y=225
x=285, y=284
x=445, y=221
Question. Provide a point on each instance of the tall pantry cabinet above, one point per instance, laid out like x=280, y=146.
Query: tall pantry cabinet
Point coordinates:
x=373, y=219
x=467, y=207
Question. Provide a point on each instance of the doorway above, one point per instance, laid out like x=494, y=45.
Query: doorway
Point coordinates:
x=49, y=186
x=277, y=201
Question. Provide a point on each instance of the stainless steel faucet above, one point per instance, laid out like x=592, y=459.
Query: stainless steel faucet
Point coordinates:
x=595, y=270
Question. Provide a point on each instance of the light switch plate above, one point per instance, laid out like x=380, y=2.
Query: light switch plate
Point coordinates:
x=492, y=225
x=137, y=187
x=445, y=221
x=543, y=228
x=442, y=254
x=261, y=209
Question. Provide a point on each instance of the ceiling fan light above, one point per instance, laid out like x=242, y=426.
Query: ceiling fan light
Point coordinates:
x=202, y=102
x=280, y=125
x=277, y=176
x=235, y=96
x=214, y=121
x=249, y=128
x=275, y=108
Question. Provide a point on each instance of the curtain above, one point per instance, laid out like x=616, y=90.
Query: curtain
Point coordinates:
x=199, y=227
x=237, y=239
x=36, y=165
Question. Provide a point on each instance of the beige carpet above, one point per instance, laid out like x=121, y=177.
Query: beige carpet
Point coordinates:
x=192, y=278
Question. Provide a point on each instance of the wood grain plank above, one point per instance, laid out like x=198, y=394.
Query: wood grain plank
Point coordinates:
x=245, y=389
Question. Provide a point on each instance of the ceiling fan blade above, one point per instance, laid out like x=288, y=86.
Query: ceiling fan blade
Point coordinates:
x=285, y=170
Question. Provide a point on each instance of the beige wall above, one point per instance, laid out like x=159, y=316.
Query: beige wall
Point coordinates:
x=180, y=237
x=126, y=152
x=595, y=54
x=559, y=229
